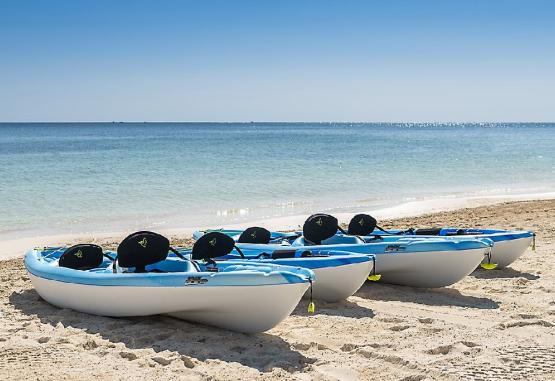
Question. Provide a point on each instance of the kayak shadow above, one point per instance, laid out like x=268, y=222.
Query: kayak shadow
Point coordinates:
x=344, y=308
x=162, y=333
x=507, y=272
x=427, y=296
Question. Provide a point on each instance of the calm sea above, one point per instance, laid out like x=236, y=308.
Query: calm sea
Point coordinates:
x=83, y=177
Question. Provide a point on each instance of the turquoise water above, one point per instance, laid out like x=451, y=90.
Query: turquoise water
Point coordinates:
x=82, y=177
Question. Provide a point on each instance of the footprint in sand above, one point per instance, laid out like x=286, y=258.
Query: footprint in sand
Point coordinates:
x=469, y=344
x=128, y=355
x=414, y=377
x=441, y=350
x=392, y=359
x=188, y=362
x=307, y=346
x=390, y=320
x=518, y=363
x=348, y=347
x=162, y=360
x=525, y=316
x=398, y=328
x=89, y=345
x=524, y=323
x=426, y=320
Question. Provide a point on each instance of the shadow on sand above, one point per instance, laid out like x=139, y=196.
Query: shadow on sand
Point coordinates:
x=427, y=296
x=260, y=351
x=343, y=308
x=507, y=272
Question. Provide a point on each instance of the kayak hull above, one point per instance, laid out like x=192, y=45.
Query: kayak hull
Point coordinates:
x=508, y=245
x=248, y=309
x=504, y=253
x=241, y=296
x=428, y=269
x=338, y=274
x=408, y=262
x=337, y=283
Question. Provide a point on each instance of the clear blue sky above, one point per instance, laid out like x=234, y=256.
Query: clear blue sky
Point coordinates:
x=277, y=60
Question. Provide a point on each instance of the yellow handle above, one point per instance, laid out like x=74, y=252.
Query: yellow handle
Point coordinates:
x=488, y=266
x=311, y=308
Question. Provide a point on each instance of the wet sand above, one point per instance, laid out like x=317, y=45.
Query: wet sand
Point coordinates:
x=493, y=325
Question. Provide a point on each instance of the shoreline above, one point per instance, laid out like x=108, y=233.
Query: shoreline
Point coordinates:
x=16, y=247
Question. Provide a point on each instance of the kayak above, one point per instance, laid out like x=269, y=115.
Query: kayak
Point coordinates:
x=140, y=279
x=508, y=245
x=407, y=261
x=338, y=274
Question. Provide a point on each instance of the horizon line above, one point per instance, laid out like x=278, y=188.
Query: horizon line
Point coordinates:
x=274, y=122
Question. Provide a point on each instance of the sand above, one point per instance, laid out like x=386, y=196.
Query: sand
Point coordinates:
x=495, y=325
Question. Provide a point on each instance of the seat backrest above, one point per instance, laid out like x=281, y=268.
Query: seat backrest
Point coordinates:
x=362, y=224
x=255, y=234
x=82, y=257
x=141, y=249
x=212, y=245
x=319, y=227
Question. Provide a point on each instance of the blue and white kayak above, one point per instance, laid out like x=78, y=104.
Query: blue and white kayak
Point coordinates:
x=508, y=245
x=338, y=274
x=241, y=295
x=407, y=261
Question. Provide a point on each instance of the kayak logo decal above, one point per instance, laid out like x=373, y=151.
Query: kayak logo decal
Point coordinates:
x=196, y=280
x=319, y=221
x=79, y=254
x=395, y=248
x=143, y=242
x=213, y=242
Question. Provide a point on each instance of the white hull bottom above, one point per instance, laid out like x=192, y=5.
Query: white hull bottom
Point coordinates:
x=428, y=269
x=506, y=252
x=247, y=309
x=333, y=284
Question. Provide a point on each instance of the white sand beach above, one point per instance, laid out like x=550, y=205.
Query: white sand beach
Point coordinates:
x=493, y=325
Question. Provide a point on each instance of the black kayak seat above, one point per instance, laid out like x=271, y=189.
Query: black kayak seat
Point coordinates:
x=141, y=249
x=319, y=227
x=362, y=225
x=82, y=257
x=255, y=234
x=212, y=245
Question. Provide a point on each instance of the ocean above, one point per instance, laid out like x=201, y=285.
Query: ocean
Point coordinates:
x=61, y=178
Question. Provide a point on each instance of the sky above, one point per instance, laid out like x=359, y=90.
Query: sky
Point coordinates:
x=405, y=61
